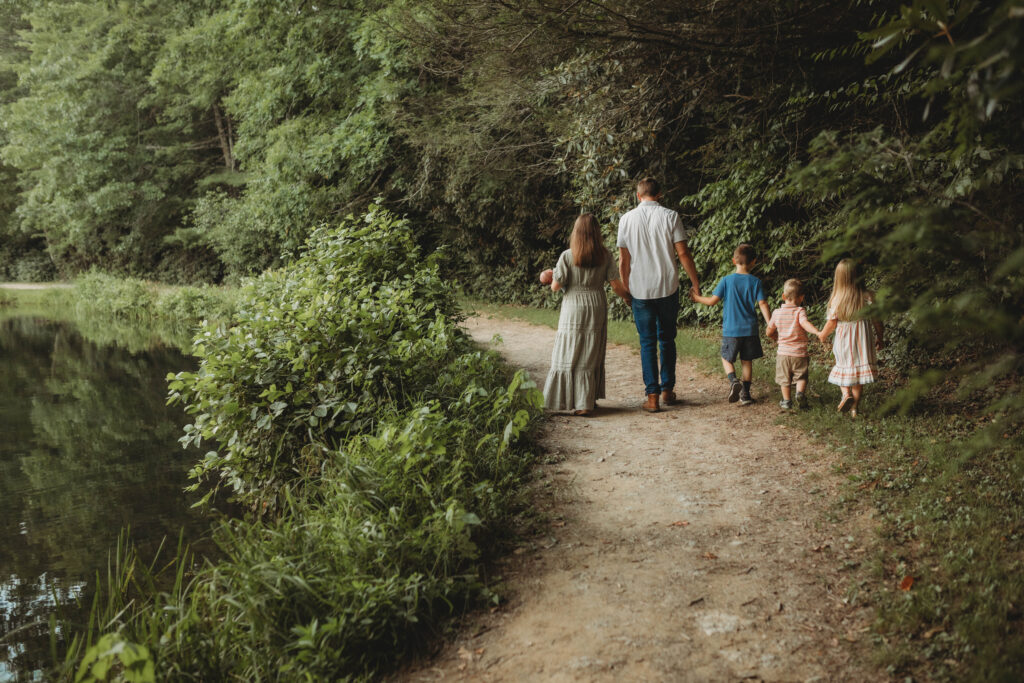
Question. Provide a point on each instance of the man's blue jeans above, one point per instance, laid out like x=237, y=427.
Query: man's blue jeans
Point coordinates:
x=656, y=324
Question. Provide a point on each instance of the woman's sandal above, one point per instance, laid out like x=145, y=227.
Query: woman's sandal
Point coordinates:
x=845, y=404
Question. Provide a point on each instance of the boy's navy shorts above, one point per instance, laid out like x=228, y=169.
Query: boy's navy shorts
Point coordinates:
x=747, y=348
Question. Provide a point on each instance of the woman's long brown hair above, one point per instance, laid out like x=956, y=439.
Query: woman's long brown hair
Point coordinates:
x=586, y=245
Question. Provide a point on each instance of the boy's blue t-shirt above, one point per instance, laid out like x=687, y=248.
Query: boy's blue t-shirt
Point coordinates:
x=739, y=293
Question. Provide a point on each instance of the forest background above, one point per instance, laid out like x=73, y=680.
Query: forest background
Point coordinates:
x=206, y=140
x=203, y=140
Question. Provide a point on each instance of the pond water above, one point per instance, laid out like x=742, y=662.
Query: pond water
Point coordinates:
x=88, y=447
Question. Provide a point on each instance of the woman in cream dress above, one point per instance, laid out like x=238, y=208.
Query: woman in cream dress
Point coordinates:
x=576, y=378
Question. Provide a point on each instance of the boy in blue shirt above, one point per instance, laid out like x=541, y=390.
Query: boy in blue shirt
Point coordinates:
x=741, y=295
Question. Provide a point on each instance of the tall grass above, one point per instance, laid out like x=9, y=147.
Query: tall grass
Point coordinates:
x=97, y=295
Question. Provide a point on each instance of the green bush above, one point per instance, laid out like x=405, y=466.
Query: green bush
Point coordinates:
x=33, y=267
x=383, y=452
x=193, y=304
x=319, y=349
x=102, y=295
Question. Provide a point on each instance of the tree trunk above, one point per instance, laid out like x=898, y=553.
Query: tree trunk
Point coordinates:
x=224, y=135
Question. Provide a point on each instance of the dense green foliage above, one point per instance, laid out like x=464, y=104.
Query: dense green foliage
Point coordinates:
x=383, y=450
x=211, y=136
x=321, y=350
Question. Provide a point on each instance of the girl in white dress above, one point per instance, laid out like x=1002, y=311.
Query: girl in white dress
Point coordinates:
x=857, y=336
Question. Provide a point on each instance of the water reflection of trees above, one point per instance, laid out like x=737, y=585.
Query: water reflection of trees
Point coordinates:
x=88, y=446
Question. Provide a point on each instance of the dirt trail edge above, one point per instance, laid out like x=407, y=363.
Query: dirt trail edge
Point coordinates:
x=689, y=545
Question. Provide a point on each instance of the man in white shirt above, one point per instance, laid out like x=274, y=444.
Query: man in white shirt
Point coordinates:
x=651, y=238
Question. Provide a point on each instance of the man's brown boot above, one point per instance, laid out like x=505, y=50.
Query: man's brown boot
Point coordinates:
x=651, y=406
x=669, y=398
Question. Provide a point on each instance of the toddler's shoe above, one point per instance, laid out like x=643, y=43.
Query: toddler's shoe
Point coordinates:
x=745, y=398
x=801, y=400
x=785, y=404
x=734, y=390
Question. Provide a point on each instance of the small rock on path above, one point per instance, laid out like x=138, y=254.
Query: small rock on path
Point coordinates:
x=688, y=545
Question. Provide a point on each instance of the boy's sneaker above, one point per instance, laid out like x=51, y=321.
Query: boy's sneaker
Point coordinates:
x=746, y=399
x=734, y=390
x=801, y=400
x=785, y=404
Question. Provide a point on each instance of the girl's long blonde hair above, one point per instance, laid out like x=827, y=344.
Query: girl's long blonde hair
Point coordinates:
x=848, y=294
x=587, y=247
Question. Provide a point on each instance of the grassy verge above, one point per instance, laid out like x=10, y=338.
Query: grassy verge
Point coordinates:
x=947, y=577
x=53, y=303
x=126, y=312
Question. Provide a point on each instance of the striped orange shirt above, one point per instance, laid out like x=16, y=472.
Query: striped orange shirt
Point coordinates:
x=792, y=336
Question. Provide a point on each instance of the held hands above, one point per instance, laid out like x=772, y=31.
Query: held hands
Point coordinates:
x=547, y=276
x=694, y=293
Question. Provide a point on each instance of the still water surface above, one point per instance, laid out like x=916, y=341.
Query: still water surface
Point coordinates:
x=88, y=446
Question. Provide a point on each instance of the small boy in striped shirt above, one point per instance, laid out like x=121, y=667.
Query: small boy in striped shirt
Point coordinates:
x=790, y=325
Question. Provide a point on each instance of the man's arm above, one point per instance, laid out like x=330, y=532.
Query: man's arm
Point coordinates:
x=706, y=300
x=686, y=260
x=624, y=269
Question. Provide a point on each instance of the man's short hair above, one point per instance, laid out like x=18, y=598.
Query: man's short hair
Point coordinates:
x=648, y=187
x=745, y=254
x=792, y=290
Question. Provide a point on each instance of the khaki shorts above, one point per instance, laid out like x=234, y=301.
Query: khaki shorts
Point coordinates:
x=790, y=369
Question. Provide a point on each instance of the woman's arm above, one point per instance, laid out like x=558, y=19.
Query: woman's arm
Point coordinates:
x=621, y=290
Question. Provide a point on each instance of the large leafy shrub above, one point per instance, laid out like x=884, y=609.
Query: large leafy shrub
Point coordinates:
x=344, y=397
x=318, y=350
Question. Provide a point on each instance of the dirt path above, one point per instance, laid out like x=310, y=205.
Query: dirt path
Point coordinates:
x=35, y=285
x=690, y=545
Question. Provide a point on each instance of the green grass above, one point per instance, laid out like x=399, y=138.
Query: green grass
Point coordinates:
x=948, y=491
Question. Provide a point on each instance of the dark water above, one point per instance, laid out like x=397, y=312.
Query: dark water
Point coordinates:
x=87, y=447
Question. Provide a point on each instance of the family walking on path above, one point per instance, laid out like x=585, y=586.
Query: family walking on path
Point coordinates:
x=651, y=240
